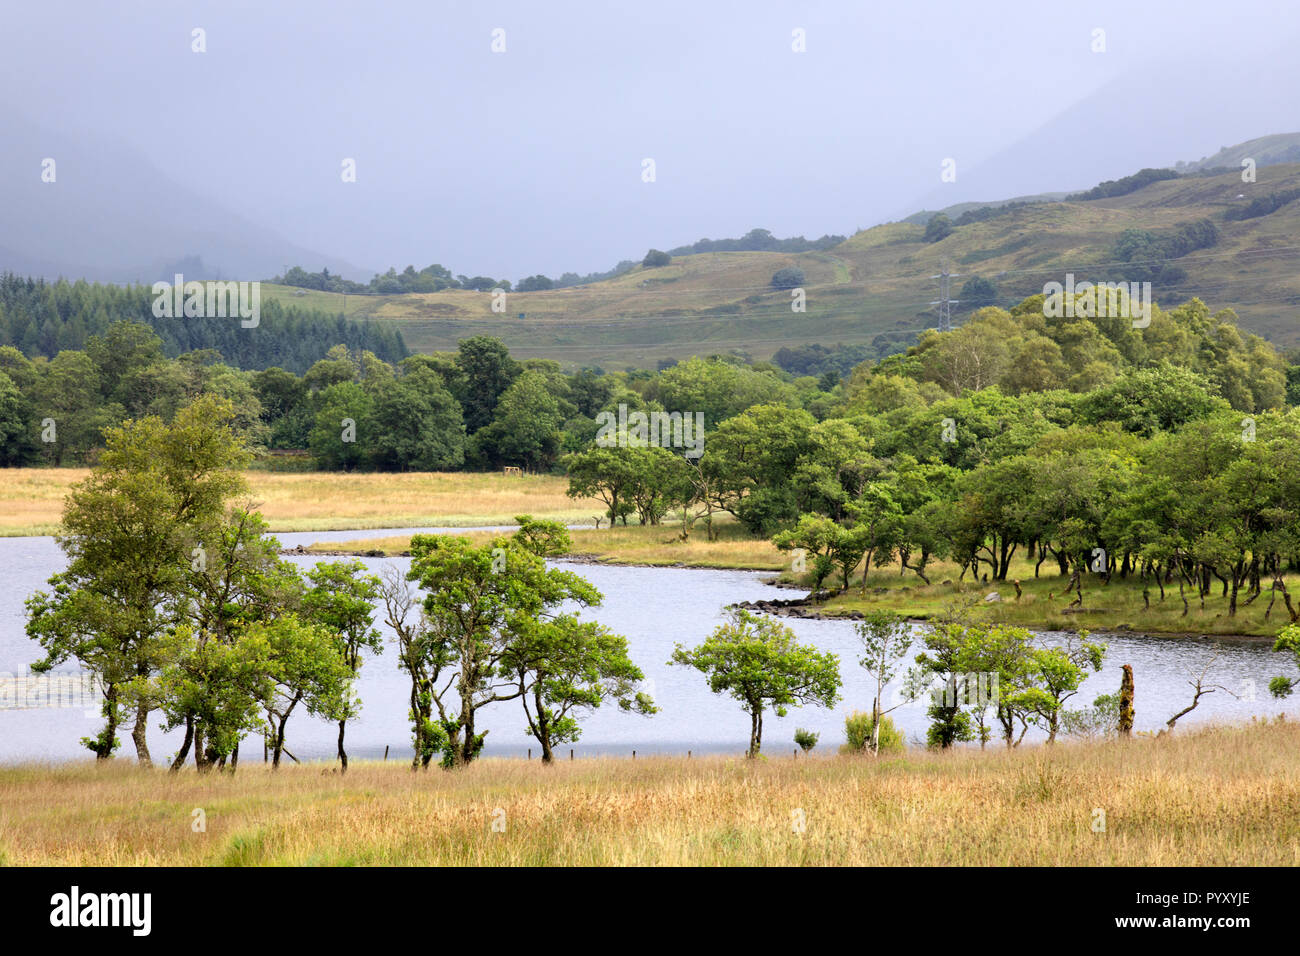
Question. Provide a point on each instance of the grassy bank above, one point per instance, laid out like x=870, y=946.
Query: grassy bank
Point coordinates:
x=31, y=499
x=652, y=545
x=1118, y=605
x=1221, y=797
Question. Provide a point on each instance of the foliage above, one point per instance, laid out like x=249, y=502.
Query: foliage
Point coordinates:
x=861, y=730
x=757, y=661
x=789, y=277
x=938, y=228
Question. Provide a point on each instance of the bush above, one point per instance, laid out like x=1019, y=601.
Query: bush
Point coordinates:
x=787, y=278
x=654, y=258
x=857, y=727
x=939, y=227
x=806, y=739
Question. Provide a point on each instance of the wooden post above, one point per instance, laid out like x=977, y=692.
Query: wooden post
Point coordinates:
x=570, y=753
x=633, y=754
x=385, y=751
x=530, y=753
x=688, y=755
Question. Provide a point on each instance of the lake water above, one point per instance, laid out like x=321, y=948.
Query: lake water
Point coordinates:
x=654, y=608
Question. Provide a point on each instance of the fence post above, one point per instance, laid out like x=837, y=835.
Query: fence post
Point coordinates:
x=385, y=751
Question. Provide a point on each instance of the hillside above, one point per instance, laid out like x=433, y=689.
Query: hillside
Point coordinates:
x=877, y=282
x=1264, y=150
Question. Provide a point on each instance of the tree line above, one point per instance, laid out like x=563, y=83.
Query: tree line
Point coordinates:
x=41, y=319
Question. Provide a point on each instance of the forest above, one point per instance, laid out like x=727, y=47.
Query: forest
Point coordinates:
x=41, y=319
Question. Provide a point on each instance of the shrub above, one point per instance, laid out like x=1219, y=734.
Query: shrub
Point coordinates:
x=806, y=739
x=978, y=291
x=787, y=278
x=857, y=727
x=654, y=258
x=939, y=227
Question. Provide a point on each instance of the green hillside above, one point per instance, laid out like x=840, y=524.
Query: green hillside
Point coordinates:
x=1264, y=150
x=877, y=282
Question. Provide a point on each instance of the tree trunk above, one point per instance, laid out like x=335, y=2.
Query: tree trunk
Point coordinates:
x=755, y=731
x=1126, y=702
x=278, y=748
x=343, y=754
x=140, y=734
x=200, y=747
x=104, y=749
x=184, y=752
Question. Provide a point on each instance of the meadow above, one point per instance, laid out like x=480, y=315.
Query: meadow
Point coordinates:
x=31, y=499
x=1220, y=796
x=634, y=544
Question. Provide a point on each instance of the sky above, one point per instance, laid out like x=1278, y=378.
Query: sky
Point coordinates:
x=532, y=159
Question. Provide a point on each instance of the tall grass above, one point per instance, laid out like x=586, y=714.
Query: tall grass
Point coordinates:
x=1220, y=796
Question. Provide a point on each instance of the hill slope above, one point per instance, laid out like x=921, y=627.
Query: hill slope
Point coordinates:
x=876, y=283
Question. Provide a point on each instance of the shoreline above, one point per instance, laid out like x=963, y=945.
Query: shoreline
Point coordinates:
x=798, y=608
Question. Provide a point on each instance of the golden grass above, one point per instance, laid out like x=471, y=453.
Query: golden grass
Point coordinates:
x=1224, y=796
x=31, y=499
x=656, y=545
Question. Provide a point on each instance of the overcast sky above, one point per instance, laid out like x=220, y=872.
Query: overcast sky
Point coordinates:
x=530, y=160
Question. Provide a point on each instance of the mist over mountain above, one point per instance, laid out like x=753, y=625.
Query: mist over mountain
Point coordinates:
x=804, y=121
x=111, y=215
x=1151, y=116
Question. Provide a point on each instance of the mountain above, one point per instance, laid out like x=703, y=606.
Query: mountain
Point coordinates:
x=1151, y=116
x=110, y=215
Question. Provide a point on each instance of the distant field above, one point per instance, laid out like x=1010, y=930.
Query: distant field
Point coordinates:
x=1214, y=797
x=659, y=545
x=31, y=499
x=878, y=281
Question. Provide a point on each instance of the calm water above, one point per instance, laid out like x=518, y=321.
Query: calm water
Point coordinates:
x=655, y=608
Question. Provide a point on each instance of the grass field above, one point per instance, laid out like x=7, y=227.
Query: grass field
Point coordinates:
x=1227, y=796
x=31, y=499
